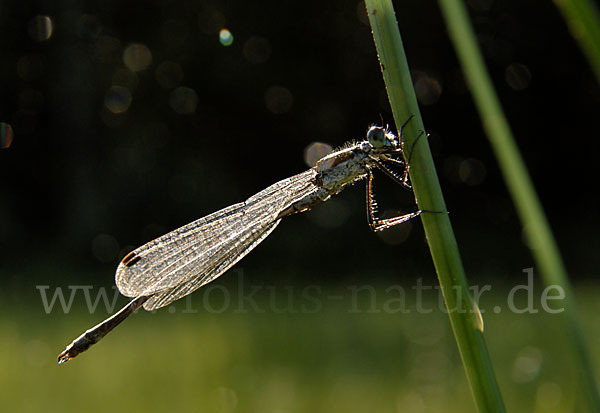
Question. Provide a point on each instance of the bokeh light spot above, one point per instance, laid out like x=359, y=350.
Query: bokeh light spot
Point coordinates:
x=315, y=151
x=471, y=171
x=40, y=28
x=278, y=99
x=183, y=100
x=169, y=74
x=225, y=37
x=527, y=365
x=137, y=57
x=6, y=135
x=257, y=50
x=105, y=248
x=117, y=99
x=427, y=88
x=30, y=67
x=517, y=76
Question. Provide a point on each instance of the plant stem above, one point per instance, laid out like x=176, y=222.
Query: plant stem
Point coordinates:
x=537, y=230
x=464, y=314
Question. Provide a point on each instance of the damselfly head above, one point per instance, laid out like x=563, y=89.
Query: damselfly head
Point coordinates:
x=381, y=138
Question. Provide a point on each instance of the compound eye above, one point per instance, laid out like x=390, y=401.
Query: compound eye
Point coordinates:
x=376, y=137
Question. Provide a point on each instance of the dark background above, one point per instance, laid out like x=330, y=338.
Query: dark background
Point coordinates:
x=82, y=185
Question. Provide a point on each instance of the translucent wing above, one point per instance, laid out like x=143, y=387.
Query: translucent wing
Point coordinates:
x=174, y=265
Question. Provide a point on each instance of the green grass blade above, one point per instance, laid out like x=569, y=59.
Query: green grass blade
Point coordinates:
x=583, y=19
x=543, y=245
x=465, y=317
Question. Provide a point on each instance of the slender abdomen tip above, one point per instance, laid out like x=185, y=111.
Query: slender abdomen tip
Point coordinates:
x=63, y=357
x=67, y=355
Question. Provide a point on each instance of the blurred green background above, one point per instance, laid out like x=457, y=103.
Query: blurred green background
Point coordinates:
x=131, y=118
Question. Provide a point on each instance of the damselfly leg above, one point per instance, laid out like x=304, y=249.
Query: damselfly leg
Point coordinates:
x=387, y=167
x=375, y=223
x=407, y=154
x=389, y=163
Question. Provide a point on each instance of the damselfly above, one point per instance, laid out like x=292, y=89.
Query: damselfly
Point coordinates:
x=174, y=265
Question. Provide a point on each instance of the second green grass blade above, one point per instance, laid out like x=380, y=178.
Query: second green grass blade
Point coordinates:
x=583, y=19
x=543, y=246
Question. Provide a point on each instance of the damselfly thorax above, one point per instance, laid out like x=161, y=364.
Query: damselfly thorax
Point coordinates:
x=382, y=150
